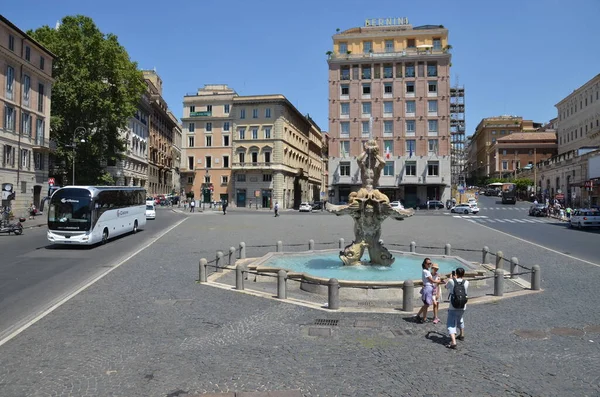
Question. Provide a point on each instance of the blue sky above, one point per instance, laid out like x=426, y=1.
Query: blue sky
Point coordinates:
x=513, y=57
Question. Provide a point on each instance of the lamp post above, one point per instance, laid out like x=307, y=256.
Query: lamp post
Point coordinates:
x=73, y=143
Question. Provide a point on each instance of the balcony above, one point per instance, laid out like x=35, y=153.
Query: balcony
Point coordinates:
x=408, y=53
x=43, y=144
x=251, y=166
x=200, y=114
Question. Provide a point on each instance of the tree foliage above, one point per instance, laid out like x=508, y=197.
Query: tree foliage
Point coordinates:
x=97, y=87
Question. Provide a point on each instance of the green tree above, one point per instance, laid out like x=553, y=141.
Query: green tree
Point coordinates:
x=98, y=88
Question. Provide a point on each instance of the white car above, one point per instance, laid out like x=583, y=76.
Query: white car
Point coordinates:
x=396, y=204
x=463, y=209
x=150, y=211
x=305, y=207
x=585, y=218
x=472, y=201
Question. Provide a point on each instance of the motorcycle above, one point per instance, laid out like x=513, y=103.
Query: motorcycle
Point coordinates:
x=16, y=228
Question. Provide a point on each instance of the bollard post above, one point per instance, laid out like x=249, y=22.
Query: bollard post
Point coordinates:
x=499, y=260
x=514, y=262
x=239, y=277
x=281, y=291
x=311, y=245
x=536, y=278
x=413, y=246
x=408, y=293
x=448, y=250
x=219, y=262
x=333, y=294
x=498, y=282
x=279, y=246
x=242, y=254
x=342, y=244
x=231, y=253
x=202, y=267
x=485, y=252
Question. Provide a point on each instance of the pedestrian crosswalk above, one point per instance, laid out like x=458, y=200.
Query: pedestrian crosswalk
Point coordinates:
x=485, y=219
x=505, y=208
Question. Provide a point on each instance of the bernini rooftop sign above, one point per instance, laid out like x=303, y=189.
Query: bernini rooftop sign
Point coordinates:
x=386, y=21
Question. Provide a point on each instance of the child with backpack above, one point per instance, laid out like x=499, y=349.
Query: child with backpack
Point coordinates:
x=458, y=302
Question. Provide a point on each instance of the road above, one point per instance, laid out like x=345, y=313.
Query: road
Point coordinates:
x=35, y=274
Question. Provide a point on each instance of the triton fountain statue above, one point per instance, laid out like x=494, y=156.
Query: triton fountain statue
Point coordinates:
x=369, y=208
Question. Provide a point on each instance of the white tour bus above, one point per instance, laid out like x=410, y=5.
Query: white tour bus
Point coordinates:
x=90, y=215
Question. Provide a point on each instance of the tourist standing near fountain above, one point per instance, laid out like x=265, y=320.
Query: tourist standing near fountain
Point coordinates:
x=427, y=290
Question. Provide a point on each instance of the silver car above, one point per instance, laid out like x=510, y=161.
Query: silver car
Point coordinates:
x=462, y=209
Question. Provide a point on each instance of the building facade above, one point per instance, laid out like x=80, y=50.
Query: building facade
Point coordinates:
x=161, y=134
x=176, y=153
x=25, y=96
x=277, y=153
x=520, y=149
x=391, y=83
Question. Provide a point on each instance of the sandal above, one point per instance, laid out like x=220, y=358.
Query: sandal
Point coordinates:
x=451, y=346
x=460, y=337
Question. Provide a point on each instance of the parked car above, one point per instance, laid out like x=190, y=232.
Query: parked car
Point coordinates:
x=433, y=204
x=316, y=206
x=396, y=204
x=305, y=207
x=537, y=210
x=150, y=211
x=462, y=209
x=585, y=218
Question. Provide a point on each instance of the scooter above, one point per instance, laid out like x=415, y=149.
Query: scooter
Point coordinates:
x=16, y=228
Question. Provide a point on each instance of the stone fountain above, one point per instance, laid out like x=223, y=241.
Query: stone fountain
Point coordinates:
x=369, y=208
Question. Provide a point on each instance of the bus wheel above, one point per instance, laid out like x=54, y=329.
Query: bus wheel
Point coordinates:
x=104, y=236
x=135, y=227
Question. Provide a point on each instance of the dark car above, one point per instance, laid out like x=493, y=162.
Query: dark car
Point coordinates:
x=537, y=210
x=317, y=205
x=431, y=204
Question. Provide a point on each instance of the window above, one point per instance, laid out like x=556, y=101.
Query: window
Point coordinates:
x=208, y=141
x=27, y=53
x=26, y=123
x=411, y=43
x=268, y=113
x=345, y=90
x=504, y=152
x=388, y=169
x=410, y=168
x=254, y=133
x=241, y=177
x=432, y=106
x=224, y=179
x=410, y=146
x=192, y=127
x=410, y=127
x=11, y=42
x=431, y=69
x=254, y=113
x=254, y=157
x=343, y=47
x=242, y=133
x=226, y=126
x=388, y=127
x=410, y=88
x=388, y=148
x=345, y=73
x=388, y=71
x=209, y=108
x=10, y=79
x=9, y=158
x=432, y=87
x=433, y=168
x=39, y=131
x=242, y=113
x=9, y=118
x=365, y=128
x=502, y=132
x=24, y=158
x=389, y=46
x=267, y=157
x=387, y=89
x=38, y=161
x=225, y=140
x=226, y=108
x=433, y=125
x=267, y=132
x=190, y=162
x=433, y=146
x=410, y=106
x=388, y=107
x=242, y=158
x=209, y=127
x=40, y=97
x=190, y=141
x=366, y=89
x=26, y=89
x=192, y=109
x=345, y=109
x=208, y=162
x=267, y=177
x=410, y=70
x=437, y=43
x=344, y=169
x=366, y=72
x=367, y=47
x=505, y=164
x=42, y=62
x=206, y=178
x=345, y=128
x=493, y=140
x=366, y=108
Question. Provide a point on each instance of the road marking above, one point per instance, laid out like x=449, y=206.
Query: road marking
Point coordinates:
x=71, y=295
x=539, y=245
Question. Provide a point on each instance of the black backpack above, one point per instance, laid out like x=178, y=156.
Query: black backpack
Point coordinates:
x=459, y=295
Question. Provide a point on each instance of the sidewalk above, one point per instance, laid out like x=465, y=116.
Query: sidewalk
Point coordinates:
x=40, y=220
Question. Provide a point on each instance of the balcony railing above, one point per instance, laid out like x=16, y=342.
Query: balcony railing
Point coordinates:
x=408, y=52
x=200, y=114
x=41, y=143
x=252, y=165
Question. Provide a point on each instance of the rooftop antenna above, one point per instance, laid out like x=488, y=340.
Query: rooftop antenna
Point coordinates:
x=57, y=25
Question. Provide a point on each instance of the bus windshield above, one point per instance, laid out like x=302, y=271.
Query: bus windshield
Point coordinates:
x=70, y=210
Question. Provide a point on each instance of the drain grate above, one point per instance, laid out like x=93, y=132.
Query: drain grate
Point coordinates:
x=326, y=322
x=366, y=303
x=402, y=332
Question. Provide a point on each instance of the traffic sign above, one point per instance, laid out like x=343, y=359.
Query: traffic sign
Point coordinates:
x=51, y=181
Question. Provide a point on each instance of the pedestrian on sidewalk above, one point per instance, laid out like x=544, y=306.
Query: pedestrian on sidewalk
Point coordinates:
x=224, y=207
x=426, y=291
x=192, y=205
x=458, y=303
x=276, y=208
x=32, y=211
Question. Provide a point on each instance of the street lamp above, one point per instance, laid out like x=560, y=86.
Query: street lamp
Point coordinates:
x=74, y=147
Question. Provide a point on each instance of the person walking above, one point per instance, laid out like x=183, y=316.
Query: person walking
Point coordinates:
x=224, y=207
x=192, y=205
x=458, y=288
x=276, y=208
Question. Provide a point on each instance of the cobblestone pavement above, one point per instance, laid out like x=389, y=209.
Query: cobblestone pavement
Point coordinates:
x=147, y=329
